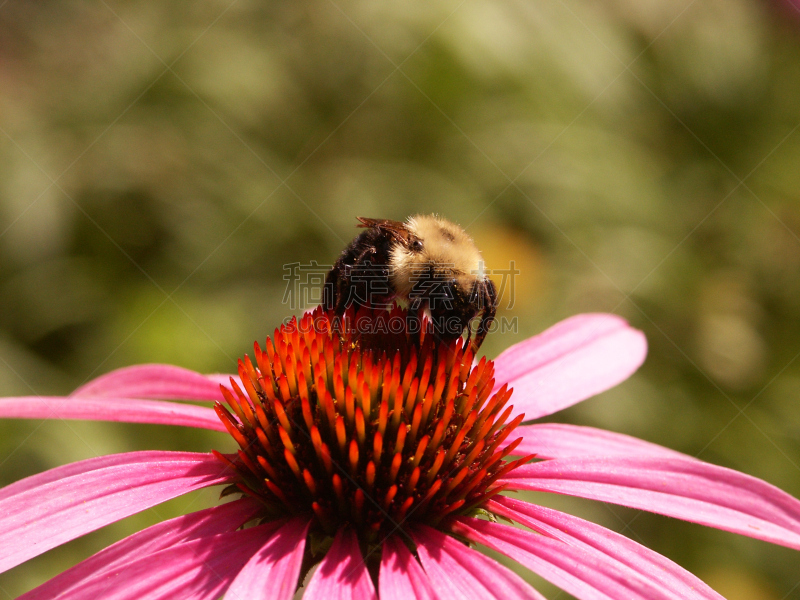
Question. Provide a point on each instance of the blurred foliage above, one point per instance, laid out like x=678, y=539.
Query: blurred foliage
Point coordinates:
x=161, y=161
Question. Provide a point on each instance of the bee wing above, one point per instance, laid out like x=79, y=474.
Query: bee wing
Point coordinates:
x=396, y=229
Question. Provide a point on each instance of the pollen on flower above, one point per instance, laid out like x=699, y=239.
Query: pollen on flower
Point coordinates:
x=359, y=422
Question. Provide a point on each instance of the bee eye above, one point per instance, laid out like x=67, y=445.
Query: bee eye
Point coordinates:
x=416, y=246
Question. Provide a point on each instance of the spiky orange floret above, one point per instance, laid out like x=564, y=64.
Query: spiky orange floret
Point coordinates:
x=360, y=423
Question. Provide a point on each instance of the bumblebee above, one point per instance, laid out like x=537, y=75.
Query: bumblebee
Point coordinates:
x=428, y=263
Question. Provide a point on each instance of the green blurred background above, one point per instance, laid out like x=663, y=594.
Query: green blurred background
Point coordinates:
x=161, y=162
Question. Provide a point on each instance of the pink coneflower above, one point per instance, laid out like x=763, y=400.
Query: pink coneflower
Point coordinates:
x=369, y=457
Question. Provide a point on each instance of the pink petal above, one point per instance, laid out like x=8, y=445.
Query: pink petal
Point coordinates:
x=43, y=517
x=200, y=569
x=573, y=360
x=627, y=554
x=572, y=568
x=273, y=571
x=58, y=473
x=125, y=410
x=457, y=571
x=401, y=575
x=204, y=523
x=557, y=440
x=687, y=489
x=164, y=382
x=342, y=574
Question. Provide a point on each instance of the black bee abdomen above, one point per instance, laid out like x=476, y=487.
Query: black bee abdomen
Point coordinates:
x=360, y=275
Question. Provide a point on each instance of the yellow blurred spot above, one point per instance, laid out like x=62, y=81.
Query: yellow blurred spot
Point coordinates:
x=515, y=264
x=738, y=585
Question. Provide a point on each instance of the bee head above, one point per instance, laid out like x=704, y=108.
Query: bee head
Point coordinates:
x=437, y=249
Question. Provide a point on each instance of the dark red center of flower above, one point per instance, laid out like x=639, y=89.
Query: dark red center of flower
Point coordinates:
x=360, y=423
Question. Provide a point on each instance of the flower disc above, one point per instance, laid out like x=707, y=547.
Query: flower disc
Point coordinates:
x=362, y=424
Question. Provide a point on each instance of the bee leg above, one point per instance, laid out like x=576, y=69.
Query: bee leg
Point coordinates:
x=331, y=290
x=488, y=298
x=414, y=320
x=344, y=290
x=365, y=255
